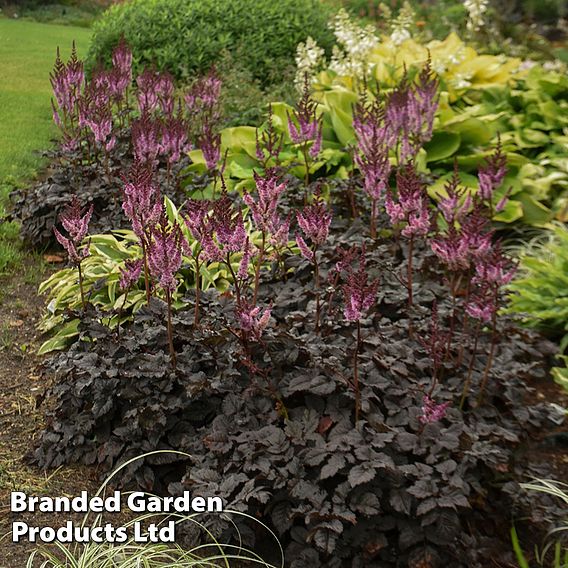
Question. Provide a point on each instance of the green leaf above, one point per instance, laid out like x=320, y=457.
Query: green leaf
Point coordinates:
x=61, y=339
x=442, y=146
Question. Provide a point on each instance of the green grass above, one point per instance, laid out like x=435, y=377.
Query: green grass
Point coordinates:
x=27, y=52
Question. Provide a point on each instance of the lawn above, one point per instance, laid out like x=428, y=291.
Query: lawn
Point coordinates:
x=27, y=52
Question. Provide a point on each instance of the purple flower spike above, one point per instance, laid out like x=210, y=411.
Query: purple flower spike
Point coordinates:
x=174, y=139
x=359, y=294
x=76, y=222
x=252, y=320
x=204, y=95
x=305, y=126
x=130, y=274
x=264, y=209
x=314, y=221
x=432, y=412
x=410, y=112
x=372, y=157
x=148, y=90
x=146, y=138
x=165, y=253
x=412, y=207
x=209, y=143
x=122, y=57
x=492, y=174
x=142, y=203
x=228, y=225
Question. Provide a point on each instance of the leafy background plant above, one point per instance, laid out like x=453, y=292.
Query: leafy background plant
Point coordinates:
x=539, y=294
x=186, y=38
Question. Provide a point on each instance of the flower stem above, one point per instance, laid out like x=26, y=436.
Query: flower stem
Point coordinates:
x=409, y=273
x=197, y=290
x=170, y=330
x=356, y=373
x=317, y=287
x=81, y=287
x=374, y=219
x=146, y=272
x=467, y=383
x=258, y=266
x=490, y=358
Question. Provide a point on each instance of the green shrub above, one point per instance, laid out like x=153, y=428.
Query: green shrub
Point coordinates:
x=186, y=37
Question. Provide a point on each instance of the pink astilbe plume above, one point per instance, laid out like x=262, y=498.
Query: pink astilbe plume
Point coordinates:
x=359, y=293
x=196, y=217
x=75, y=221
x=174, y=141
x=264, y=209
x=314, y=221
x=165, y=91
x=412, y=208
x=252, y=320
x=204, y=95
x=226, y=225
x=410, y=112
x=431, y=411
x=491, y=176
x=95, y=110
x=304, y=126
x=165, y=253
x=372, y=152
x=148, y=83
x=147, y=138
x=142, y=202
x=131, y=273
x=122, y=57
x=209, y=142
x=66, y=81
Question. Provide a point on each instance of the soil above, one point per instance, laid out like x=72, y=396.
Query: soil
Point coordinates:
x=21, y=415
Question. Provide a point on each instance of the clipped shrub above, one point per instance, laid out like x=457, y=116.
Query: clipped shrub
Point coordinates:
x=186, y=37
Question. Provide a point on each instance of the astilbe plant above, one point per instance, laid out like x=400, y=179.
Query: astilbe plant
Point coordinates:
x=314, y=221
x=411, y=212
x=266, y=219
x=203, y=103
x=305, y=128
x=66, y=82
x=410, y=112
x=196, y=218
x=360, y=295
x=374, y=140
x=142, y=205
x=165, y=254
x=269, y=143
x=490, y=176
x=75, y=221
